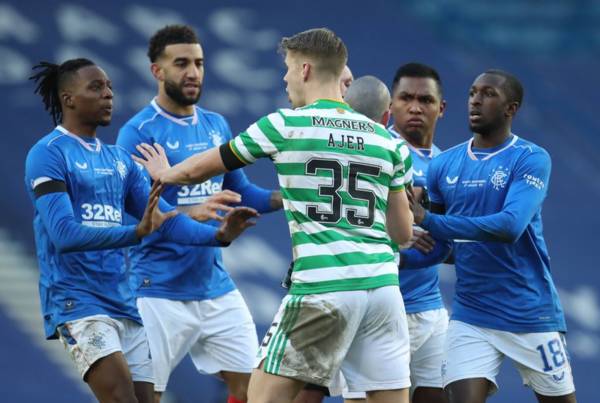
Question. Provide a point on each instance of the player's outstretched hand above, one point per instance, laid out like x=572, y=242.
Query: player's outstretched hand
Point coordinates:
x=153, y=217
x=422, y=241
x=154, y=159
x=416, y=207
x=209, y=210
x=235, y=222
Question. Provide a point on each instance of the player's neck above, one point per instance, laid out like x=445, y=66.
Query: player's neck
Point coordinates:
x=492, y=139
x=416, y=140
x=78, y=128
x=166, y=103
x=323, y=91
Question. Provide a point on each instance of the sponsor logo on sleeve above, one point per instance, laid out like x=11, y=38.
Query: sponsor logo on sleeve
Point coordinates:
x=534, y=181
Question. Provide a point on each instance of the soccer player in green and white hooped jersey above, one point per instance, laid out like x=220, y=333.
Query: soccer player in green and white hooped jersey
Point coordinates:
x=342, y=180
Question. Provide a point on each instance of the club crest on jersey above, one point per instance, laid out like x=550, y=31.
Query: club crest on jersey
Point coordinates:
x=121, y=169
x=499, y=178
x=216, y=138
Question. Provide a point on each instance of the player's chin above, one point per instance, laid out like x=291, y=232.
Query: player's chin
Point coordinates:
x=188, y=100
x=476, y=127
x=414, y=132
x=105, y=120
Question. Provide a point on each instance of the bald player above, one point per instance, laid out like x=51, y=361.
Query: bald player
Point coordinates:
x=369, y=95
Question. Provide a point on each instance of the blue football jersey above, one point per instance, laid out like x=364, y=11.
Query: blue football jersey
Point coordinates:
x=98, y=178
x=164, y=269
x=420, y=288
x=493, y=200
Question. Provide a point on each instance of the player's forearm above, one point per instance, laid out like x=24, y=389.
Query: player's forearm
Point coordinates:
x=262, y=200
x=68, y=235
x=184, y=230
x=256, y=197
x=499, y=227
x=399, y=218
x=508, y=225
x=414, y=259
x=195, y=169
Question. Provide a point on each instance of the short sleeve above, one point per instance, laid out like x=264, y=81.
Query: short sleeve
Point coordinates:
x=403, y=169
x=262, y=139
x=44, y=163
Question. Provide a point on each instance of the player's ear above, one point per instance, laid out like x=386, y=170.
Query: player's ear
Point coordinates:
x=385, y=119
x=442, y=108
x=67, y=99
x=157, y=71
x=306, y=71
x=512, y=108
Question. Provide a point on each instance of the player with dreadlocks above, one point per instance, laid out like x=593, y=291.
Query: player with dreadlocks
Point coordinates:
x=80, y=189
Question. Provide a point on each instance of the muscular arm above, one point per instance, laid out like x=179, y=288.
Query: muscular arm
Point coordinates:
x=195, y=169
x=399, y=218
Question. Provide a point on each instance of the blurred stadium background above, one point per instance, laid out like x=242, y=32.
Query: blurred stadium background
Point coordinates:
x=553, y=46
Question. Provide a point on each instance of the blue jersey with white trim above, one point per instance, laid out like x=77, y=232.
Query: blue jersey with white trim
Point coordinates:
x=98, y=178
x=493, y=200
x=164, y=269
x=420, y=288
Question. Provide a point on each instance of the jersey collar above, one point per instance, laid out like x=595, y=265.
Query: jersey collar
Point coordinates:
x=412, y=148
x=328, y=103
x=172, y=118
x=487, y=157
x=81, y=141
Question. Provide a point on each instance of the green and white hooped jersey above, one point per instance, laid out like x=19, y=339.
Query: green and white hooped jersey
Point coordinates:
x=335, y=168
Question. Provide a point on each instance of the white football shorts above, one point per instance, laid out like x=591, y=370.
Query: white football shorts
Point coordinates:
x=362, y=333
x=427, y=334
x=94, y=337
x=477, y=352
x=219, y=334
